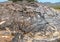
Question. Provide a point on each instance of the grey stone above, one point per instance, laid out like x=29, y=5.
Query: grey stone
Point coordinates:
x=29, y=18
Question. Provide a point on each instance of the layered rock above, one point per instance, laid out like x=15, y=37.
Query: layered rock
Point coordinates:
x=30, y=20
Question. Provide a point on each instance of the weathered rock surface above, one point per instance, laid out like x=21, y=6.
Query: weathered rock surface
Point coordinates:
x=30, y=20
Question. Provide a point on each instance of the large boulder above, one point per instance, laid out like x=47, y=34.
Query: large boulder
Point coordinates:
x=31, y=20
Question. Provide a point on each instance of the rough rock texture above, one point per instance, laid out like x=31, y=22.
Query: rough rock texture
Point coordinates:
x=30, y=20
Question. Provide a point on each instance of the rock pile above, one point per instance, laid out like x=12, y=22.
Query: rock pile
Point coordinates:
x=30, y=19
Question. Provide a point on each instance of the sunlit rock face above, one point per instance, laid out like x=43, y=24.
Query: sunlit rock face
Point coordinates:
x=32, y=20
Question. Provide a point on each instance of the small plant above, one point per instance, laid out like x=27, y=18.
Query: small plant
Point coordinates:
x=15, y=0
x=22, y=0
x=30, y=0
